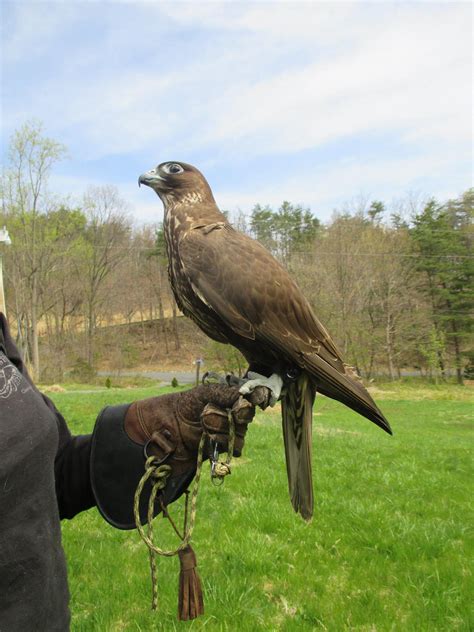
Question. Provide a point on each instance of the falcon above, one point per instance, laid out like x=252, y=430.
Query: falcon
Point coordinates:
x=239, y=294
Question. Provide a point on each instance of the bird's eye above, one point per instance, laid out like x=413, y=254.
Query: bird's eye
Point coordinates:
x=172, y=168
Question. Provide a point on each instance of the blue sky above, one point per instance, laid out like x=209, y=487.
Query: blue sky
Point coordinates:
x=318, y=103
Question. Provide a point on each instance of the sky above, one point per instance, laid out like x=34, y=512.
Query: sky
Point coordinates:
x=318, y=103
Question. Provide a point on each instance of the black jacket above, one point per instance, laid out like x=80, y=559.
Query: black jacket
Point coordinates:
x=44, y=477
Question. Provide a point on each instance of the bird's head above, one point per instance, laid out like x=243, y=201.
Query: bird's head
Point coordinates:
x=176, y=183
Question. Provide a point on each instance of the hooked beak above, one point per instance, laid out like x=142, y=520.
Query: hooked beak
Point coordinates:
x=150, y=178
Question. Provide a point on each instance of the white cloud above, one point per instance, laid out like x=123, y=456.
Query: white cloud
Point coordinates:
x=397, y=80
x=254, y=79
x=407, y=75
x=384, y=69
x=28, y=31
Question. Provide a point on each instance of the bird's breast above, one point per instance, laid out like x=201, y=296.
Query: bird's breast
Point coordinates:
x=187, y=299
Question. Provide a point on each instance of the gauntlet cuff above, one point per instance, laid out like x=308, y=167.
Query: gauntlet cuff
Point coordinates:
x=117, y=464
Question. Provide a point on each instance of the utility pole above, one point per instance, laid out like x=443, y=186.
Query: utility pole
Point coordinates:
x=4, y=239
x=198, y=362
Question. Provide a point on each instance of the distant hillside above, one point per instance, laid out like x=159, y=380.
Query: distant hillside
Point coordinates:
x=151, y=345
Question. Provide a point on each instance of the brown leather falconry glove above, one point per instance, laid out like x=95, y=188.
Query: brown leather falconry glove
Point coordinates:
x=172, y=424
x=168, y=427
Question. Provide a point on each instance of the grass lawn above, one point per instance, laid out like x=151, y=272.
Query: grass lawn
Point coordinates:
x=388, y=548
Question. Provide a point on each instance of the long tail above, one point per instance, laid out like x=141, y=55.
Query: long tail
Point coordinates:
x=297, y=412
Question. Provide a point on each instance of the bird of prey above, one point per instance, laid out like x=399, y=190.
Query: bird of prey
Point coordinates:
x=238, y=293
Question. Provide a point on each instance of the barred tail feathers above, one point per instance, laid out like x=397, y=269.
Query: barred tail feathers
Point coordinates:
x=297, y=416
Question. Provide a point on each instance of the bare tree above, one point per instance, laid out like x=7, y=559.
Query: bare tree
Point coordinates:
x=26, y=203
x=360, y=278
x=105, y=245
x=61, y=296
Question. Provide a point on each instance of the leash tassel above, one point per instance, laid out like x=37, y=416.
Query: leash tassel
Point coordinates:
x=190, y=604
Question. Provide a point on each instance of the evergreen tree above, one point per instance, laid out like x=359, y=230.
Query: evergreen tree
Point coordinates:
x=262, y=226
x=376, y=211
x=284, y=231
x=443, y=240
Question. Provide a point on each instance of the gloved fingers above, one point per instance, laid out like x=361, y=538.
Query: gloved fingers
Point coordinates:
x=191, y=403
x=243, y=411
x=220, y=395
x=215, y=422
x=260, y=396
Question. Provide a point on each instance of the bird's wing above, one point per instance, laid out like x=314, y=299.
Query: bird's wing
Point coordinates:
x=243, y=283
x=255, y=296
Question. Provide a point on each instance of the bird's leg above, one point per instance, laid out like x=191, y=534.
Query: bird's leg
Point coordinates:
x=267, y=389
x=258, y=389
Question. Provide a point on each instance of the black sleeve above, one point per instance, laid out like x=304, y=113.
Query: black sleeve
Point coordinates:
x=102, y=469
x=72, y=470
x=73, y=486
x=71, y=466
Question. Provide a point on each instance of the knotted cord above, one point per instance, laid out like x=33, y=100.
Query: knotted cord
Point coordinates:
x=220, y=469
x=159, y=474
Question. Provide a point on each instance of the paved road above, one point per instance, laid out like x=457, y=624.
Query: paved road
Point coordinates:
x=161, y=376
x=189, y=377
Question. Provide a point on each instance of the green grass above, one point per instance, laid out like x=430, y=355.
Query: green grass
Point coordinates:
x=99, y=383
x=388, y=549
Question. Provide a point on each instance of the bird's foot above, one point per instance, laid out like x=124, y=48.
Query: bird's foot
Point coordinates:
x=258, y=389
x=264, y=391
x=229, y=379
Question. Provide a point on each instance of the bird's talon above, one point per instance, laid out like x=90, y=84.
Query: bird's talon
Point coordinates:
x=212, y=377
x=233, y=380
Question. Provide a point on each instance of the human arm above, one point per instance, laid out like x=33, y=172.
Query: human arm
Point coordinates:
x=104, y=468
x=71, y=462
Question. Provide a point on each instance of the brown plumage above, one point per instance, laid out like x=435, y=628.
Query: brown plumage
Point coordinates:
x=237, y=293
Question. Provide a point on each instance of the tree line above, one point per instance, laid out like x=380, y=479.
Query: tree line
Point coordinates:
x=392, y=285
x=395, y=289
